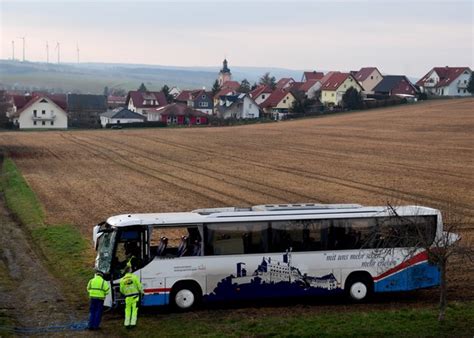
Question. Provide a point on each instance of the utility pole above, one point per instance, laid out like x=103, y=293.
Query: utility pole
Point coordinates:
x=13, y=50
x=23, y=38
x=47, y=52
x=58, y=47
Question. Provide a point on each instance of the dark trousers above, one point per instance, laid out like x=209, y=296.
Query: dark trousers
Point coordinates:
x=95, y=313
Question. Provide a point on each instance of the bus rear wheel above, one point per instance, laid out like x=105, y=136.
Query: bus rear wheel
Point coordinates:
x=359, y=287
x=185, y=297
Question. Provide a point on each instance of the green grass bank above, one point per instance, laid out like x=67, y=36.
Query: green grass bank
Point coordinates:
x=62, y=246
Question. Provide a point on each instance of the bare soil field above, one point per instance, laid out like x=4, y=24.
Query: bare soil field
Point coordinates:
x=421, y=153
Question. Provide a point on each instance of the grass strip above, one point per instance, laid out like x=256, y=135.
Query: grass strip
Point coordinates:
x=64, y=249
x=408, y=322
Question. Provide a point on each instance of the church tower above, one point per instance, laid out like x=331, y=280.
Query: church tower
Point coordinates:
x=224, y=74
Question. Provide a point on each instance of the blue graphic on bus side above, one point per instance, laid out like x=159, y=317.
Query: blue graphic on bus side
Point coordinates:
x=418, y=276
x=273, y=279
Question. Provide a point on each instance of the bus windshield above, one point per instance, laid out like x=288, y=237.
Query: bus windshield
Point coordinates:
x=105, y=252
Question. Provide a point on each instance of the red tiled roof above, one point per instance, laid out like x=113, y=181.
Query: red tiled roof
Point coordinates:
x=275, y=98
x=296, y=85
x=283, y=82
x=446, y=75
x=327, y=77
x=59, y=99
x=259, y=90
x=186, y=95
x=112, y=98
x=19, y=101
x=36, y=99
x=307, y=85
x=314, y=75
x=225, y=91
x=179, y=109
x=364, y=73
x=334, y=81
x=139, y=97
x=231, y=84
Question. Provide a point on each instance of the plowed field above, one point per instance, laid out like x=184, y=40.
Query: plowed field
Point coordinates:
x=421, y=153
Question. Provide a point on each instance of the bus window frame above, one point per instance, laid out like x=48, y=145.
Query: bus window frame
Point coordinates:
x=171, y=226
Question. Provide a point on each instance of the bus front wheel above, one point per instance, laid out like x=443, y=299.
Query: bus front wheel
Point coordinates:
x=185, y=296
x=359, y=287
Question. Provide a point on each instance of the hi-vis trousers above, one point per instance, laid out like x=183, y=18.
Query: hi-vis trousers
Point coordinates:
x=131, y=310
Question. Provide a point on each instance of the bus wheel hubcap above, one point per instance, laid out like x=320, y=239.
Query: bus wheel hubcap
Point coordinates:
x=358, y=291
x=184, y=298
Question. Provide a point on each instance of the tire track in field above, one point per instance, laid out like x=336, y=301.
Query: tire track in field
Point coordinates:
x=156, y=174
x=371, y=188
x=380, y=164
x=206, y=172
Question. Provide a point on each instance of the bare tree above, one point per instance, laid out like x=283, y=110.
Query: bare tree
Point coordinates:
x=442, y=248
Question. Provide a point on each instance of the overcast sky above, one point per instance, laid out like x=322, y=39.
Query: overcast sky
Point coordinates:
x=402, y=37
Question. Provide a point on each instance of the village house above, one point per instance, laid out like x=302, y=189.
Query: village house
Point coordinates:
x=40, y=112
x=395, y=85
x=309, y=89
x=368, y=77
x=261, y=93
x=278, y=104
x=197, y=99
x=114, y=101
x=314, y=75
x=240, y=106
x=120, y=116
x=446, y=81
x=228, y=88
x=175, y=91
x=84, y=110
x=284, y=83
x=16, y=102
x=144, y=102
x=179, y=114
x=335, y=86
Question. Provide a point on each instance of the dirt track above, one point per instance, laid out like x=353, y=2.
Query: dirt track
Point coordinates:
x=33, y=298
x=419, y=153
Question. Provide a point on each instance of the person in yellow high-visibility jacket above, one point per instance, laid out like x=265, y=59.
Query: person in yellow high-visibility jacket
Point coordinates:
x=132, y=289
x=97, y=289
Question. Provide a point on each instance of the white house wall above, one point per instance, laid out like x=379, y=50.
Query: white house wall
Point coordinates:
x=107, y=120
x=131, y=106
x=262, y=97
x=371, y=81
x=250, y=109
x=52, y=113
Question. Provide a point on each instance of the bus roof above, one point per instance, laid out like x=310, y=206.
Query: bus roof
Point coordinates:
x=265, y=212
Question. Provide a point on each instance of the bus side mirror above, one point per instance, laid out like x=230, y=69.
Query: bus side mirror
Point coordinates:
x=95, y=235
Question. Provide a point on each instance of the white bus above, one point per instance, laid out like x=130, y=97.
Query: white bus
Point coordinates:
x=268, y=251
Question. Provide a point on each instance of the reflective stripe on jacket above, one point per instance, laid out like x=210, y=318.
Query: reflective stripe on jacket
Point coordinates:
x=98, y=287
x=130, y=285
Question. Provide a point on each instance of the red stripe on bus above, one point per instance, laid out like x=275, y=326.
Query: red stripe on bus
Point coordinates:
x=422, y=256
x=157, y=290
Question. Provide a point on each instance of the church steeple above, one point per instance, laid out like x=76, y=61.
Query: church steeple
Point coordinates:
x=224, y=74
x=225, y=69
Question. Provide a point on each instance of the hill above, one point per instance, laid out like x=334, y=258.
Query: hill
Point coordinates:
x=93, y=77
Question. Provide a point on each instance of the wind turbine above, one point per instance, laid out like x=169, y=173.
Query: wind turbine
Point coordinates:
x=58, y=47
x=47, y=52
x=23, y=38
x=13, y=50
x=77, y=50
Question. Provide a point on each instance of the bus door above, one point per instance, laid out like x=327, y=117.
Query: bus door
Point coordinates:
x=131, y=250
